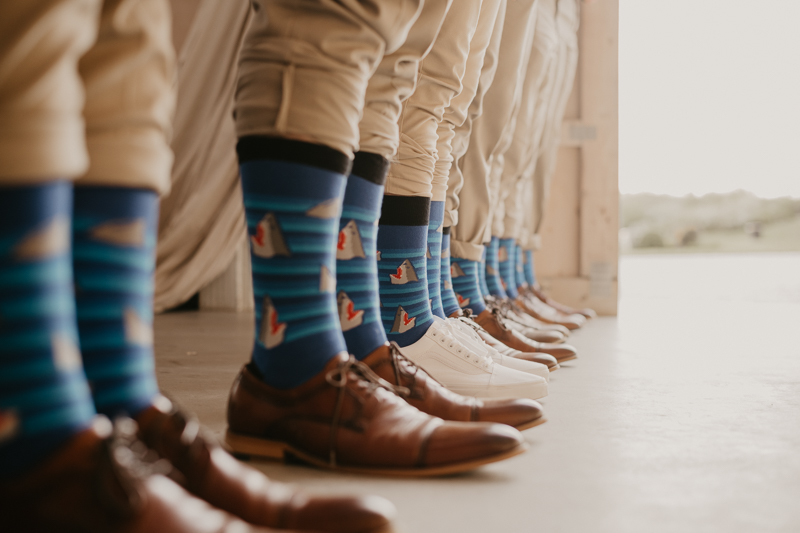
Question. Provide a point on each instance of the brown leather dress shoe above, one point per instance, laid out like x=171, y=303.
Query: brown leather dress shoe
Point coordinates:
x=214, y=475
x=429, y=396
x=567, y=310
x=544, y=313
x=545, y=335
x=519, y=321
x=104, y=482
x=347, y=418
x=542, y=358
x=493, y=323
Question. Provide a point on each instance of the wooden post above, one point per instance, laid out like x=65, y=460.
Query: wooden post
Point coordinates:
x=578, y=263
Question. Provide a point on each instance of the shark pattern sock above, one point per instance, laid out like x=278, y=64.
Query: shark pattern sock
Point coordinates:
x=493, y=282
x=464, y=274
x=506, y=254
x=449, y=301
x=434, y=258
x=402, y=270
x=482, y=275
x=527, y=267
x=44, y=396
x=114, y=235
x=519, y=275
x=356, y=268
x=293, y=194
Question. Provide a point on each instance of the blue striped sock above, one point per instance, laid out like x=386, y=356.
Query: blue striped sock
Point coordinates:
x=482, y=275
x=506, y=253
x=44, y=396
x=519, y=275
x=293, y=198
x=449, y=301
x=493, y=282
x=402, y=269
x=528, y=268
x=465, y=284
x=434, y=258
x=114, y=245
x=356, y=268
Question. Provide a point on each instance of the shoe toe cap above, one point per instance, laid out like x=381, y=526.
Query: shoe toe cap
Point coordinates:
x=543, y=335
x=513, y=412
x=365, y=514
x=562, y=352
x=455, y=442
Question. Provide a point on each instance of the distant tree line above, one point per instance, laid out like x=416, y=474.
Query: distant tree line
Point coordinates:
x=650, y=220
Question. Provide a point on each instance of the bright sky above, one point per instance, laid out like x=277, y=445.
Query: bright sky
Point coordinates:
x=710, y=96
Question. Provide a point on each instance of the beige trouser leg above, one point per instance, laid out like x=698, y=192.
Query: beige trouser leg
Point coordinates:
x=394, y=82
x=440, y=74
x=304, y=66
x=461, y=133
x=567, y=21
x=456, y=113
x=501, y=185
x=489, y=130
x=522, y=154
x=126, y=75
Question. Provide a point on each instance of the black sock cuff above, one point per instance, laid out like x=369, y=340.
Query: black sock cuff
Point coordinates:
x=371, y=167
x=256, y=147
x=405, y=211
x=446, y=231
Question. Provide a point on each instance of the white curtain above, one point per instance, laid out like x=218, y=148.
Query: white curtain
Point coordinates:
x=202, y=219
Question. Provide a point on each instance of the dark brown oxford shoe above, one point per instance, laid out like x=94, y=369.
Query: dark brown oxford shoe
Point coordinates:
x=105, y=481
x=494, y=324
x=347, y=418
x=419, y=389
x=214, y=475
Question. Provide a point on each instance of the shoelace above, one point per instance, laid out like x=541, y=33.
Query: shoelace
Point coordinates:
x=442, y=330
x=397, y=359
x=339, y=377
x=506, y=311
x=471, y=332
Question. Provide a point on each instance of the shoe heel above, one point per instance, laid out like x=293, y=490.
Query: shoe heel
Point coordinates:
x=245, y=447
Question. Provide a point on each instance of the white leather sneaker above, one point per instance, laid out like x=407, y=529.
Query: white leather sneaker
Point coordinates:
x=466, y=372
x=463, y=331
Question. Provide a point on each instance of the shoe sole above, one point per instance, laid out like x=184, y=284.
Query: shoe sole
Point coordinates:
x=539, y=392
x=565, y=359
x=532, y=424
x=245, y=447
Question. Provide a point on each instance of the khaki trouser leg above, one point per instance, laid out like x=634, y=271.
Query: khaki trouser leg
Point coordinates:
x=440, y=75
x=129, y=75
x=461, y=137
x=394, y=82
x=567, y=21
x=488, y=131
x=522, y=154
x=502, y=185
x=456, y=113
x=41, y=93
x=304, y=66
x=54, y=59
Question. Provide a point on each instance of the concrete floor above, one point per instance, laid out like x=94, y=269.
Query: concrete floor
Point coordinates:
x=682, y=414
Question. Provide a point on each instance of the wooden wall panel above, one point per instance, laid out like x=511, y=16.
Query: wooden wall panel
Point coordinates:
x=579, y=266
